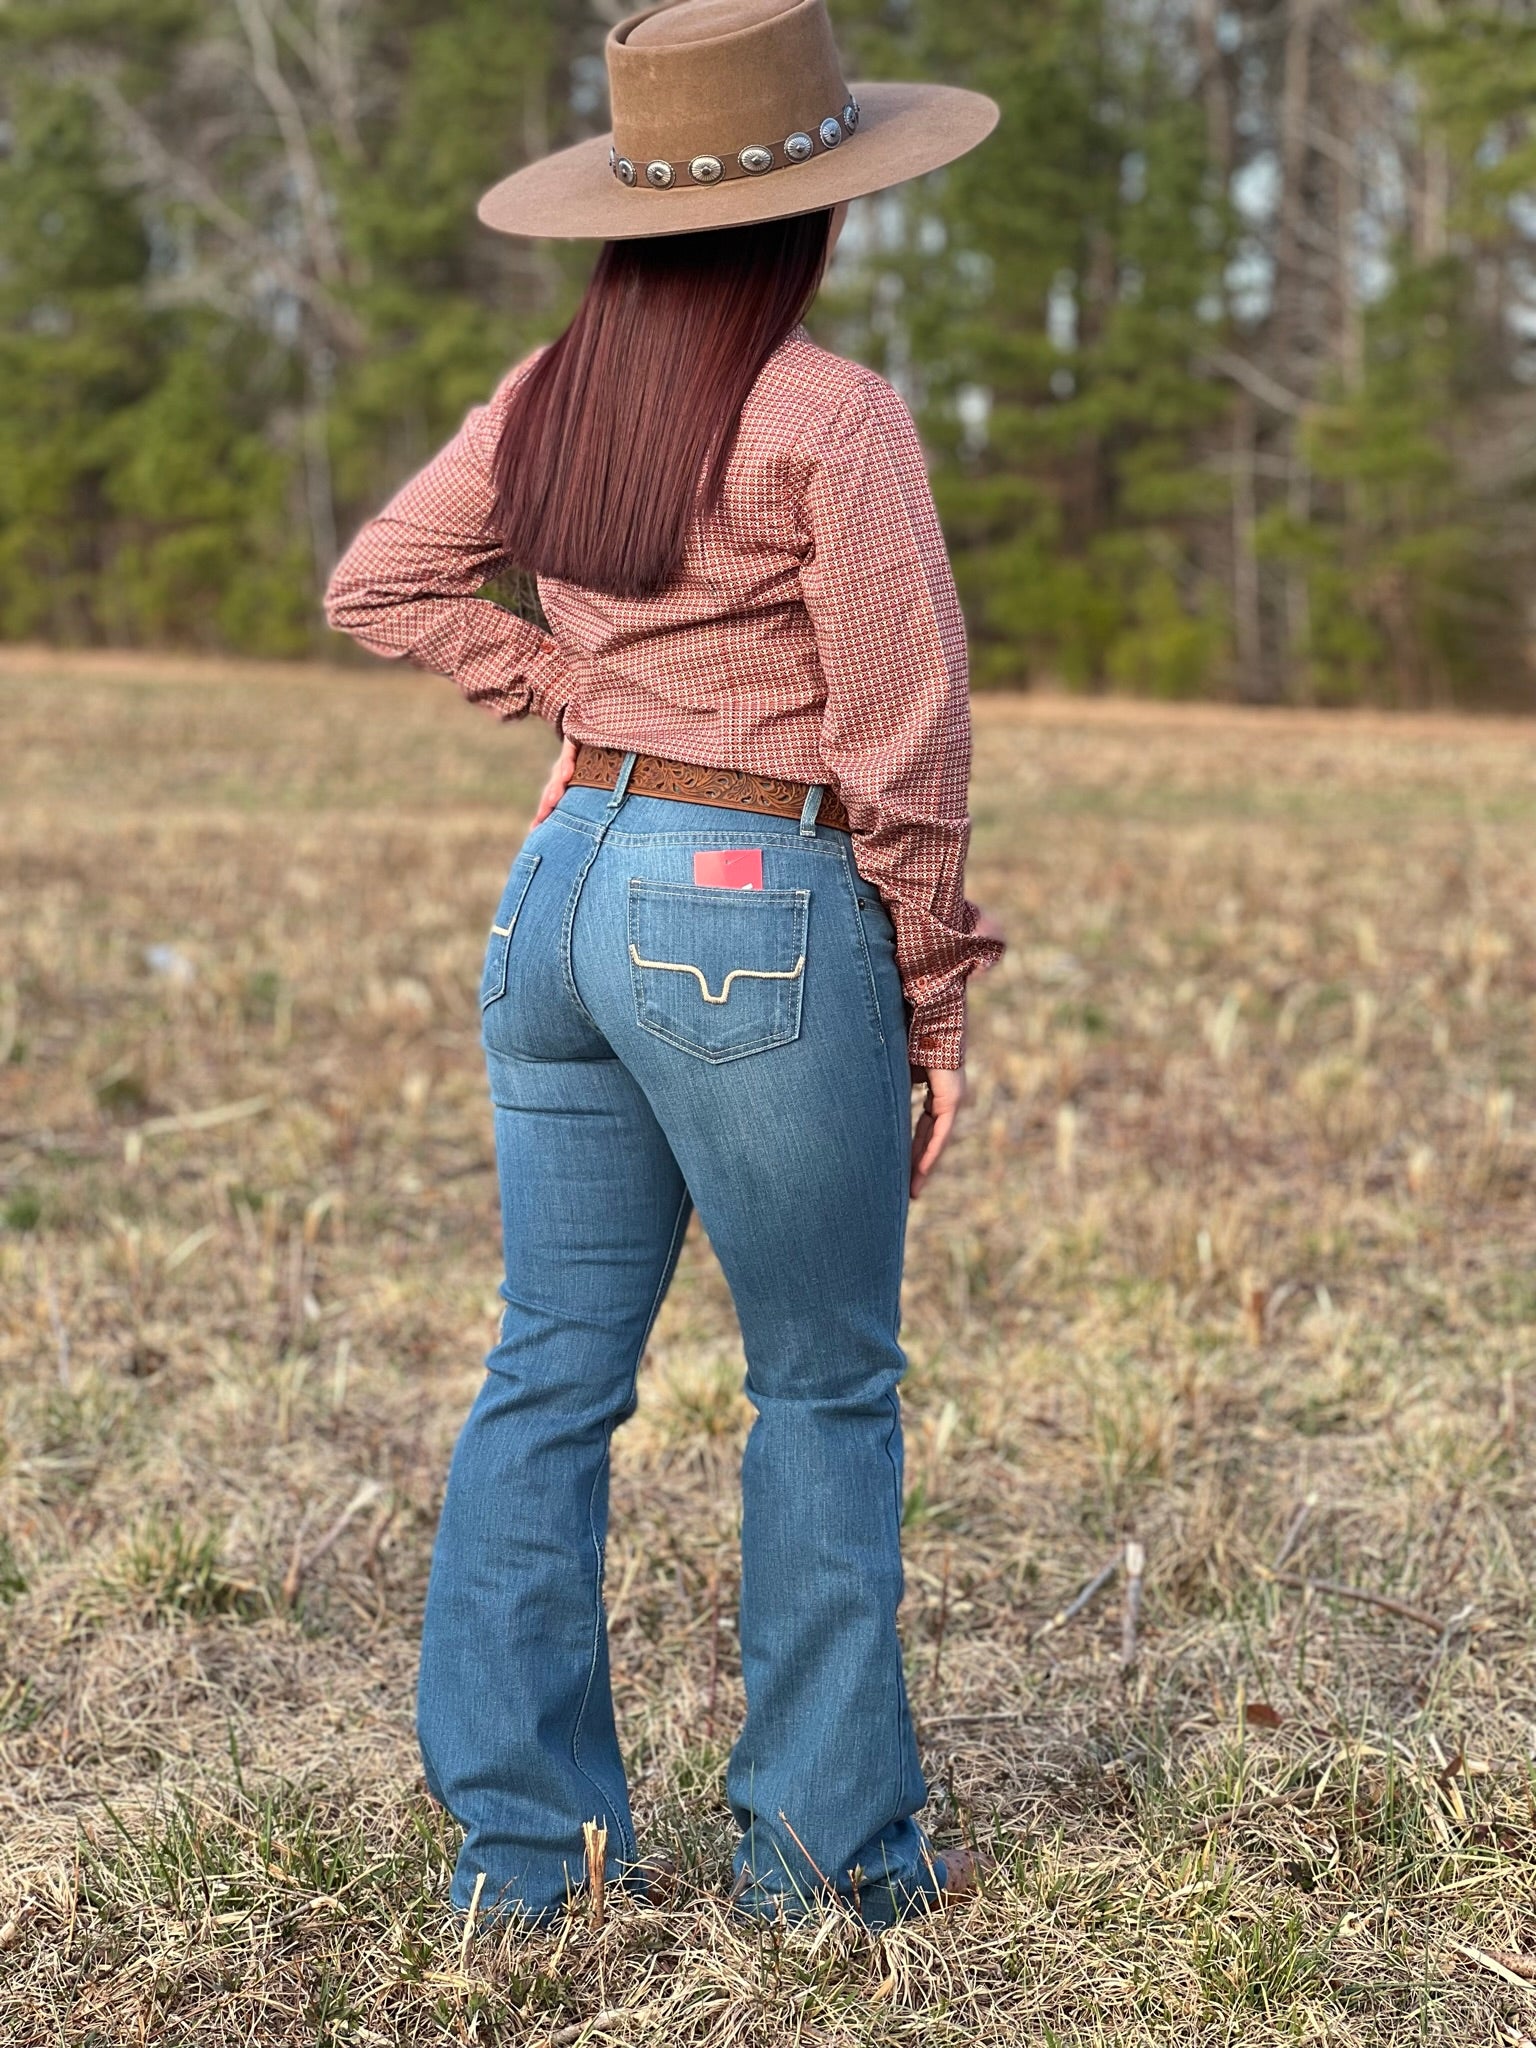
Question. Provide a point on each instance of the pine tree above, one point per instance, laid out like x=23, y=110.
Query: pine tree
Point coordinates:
x=1050, y=287
x=243, y=292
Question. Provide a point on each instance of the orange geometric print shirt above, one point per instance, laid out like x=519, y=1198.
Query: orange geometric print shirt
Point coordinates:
x=814, y=634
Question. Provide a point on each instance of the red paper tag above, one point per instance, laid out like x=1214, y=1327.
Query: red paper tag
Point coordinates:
x=740, y=868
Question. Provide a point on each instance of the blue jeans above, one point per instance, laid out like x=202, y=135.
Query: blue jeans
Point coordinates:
x=655, y=1045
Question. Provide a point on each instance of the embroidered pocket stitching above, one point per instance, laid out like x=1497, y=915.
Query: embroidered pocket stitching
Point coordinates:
x=662, y=918
x=736, y=974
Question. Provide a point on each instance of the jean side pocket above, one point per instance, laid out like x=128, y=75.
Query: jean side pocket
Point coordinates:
x=719, y=973
x=493, y=981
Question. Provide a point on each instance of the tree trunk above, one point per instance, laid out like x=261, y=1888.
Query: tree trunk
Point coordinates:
x=1247, y=626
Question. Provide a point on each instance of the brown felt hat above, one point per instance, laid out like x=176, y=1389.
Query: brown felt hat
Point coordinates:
x=729, y=111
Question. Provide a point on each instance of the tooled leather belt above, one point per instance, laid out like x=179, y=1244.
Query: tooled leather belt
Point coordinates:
x=728, y=789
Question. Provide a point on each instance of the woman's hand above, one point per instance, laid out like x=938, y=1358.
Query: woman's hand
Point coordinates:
x=559, y=782
x=987, y=927
x=945, y=1092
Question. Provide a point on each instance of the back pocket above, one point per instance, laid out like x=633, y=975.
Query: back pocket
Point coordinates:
x=493, y=981
x=719, y=973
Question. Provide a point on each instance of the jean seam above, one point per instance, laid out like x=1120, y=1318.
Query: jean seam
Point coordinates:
x=718, y=1059
x=669, y=1266
x=568, y=924
x=771, y=840
x=643, y=889
x=898, y=1746
x=597, y=1637
x=849, y=877
x=903, y=1139
x=574, y=822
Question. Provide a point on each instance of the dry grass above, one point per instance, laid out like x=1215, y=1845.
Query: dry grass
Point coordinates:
x=1237, y=1261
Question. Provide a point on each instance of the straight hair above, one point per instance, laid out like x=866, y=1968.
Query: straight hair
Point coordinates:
x=622, y=431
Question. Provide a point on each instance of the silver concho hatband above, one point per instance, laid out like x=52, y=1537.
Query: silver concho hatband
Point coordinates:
x=753, y=162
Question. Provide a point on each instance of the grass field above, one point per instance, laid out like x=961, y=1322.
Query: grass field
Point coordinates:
x=1235, y=1265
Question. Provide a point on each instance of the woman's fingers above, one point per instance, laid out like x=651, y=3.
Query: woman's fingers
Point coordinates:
x=936, y=1124
x=987, y=927
x=933, y=1134
x=559, y=782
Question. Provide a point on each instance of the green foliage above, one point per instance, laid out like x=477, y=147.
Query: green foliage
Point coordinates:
x=13, y=1582
x=1079, y=272
x=1058, y=271
x=74, y=352
x=1406, y=578
x=168, y=1572
x=166, y=426
x=446, y=306
x=200, y=494
x=22, y=1210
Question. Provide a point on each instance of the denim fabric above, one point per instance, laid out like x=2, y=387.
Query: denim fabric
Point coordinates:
x=653, y=1045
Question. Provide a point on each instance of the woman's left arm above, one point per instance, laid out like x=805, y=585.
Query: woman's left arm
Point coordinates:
x=405, y=587
x=896, y=731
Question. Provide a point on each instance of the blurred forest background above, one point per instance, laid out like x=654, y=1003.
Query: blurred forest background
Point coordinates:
x=1224, y=348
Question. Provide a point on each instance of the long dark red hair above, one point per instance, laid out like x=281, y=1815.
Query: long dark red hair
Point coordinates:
x=622, y=431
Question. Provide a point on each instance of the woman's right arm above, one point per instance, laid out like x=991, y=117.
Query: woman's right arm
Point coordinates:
x=405, y=587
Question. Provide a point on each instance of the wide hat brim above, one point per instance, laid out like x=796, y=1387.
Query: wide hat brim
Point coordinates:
x=904, y=132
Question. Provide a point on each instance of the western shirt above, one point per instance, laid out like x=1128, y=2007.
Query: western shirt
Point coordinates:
x=814, y=633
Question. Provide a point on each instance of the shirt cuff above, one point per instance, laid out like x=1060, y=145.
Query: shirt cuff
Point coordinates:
x=937, y=1037
x=549, y=685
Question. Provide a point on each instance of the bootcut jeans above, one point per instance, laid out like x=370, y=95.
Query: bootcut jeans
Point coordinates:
x=655, y=1043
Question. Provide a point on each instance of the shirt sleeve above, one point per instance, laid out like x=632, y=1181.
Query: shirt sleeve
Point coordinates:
x=896, y=730
x=405, y=587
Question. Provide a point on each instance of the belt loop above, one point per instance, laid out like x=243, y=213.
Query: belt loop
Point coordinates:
x=621, y=787
x=813, y=797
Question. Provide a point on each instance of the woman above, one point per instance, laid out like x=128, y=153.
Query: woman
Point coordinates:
x=735, y=936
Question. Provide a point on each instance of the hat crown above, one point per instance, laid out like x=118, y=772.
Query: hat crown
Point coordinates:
x=701, y=21
x=721, y=76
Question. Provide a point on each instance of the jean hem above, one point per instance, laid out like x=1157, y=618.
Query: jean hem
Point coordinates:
x=873, y=1905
